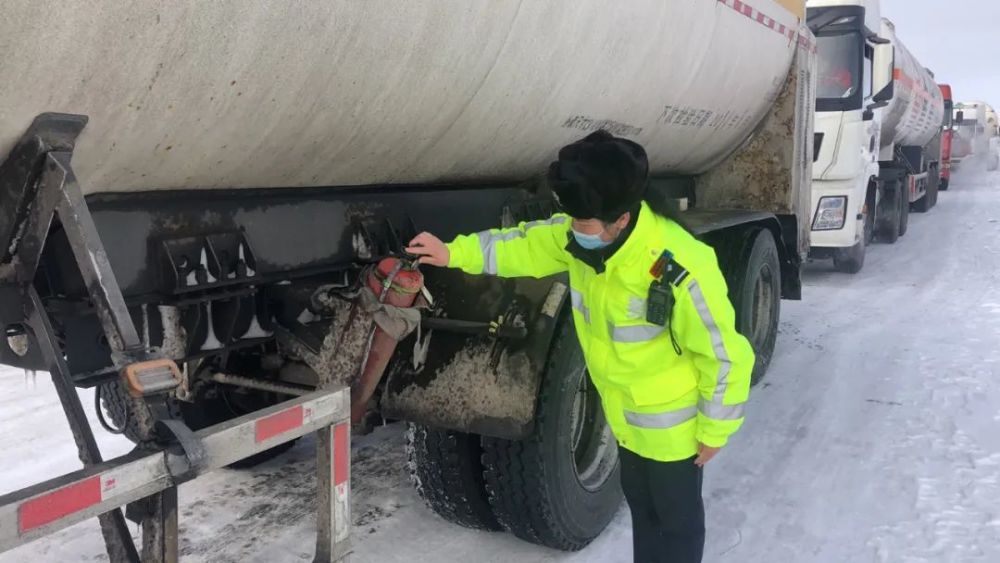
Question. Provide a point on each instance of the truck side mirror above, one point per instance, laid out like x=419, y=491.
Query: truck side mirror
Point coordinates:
x=959, y=117
x=884, y=96
x=883, y=62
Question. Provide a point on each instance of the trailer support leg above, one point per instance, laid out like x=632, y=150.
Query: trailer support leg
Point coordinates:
x=333, y=489
x=59, y=195
x=159, y=527
x=113, y=526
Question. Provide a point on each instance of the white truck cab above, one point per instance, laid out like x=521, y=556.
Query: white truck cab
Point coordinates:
x=993, y=136
x=976, y=142
x=854, y=80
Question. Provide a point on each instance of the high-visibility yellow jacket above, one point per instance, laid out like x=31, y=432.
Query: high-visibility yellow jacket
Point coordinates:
x=659, y=403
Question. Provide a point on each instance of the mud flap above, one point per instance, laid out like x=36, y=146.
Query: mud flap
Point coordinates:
x=477, y=383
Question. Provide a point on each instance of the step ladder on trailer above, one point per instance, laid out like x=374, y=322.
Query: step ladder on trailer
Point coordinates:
x=37, y=186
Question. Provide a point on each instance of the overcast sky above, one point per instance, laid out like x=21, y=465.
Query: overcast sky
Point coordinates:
x=959, y=40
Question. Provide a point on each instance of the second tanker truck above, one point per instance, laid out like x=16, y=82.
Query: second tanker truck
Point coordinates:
x=879, y=115
x=947, y=136
x=247, y=188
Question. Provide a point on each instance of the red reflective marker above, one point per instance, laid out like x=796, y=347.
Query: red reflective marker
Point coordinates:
x=278, y=423
x=43, y=510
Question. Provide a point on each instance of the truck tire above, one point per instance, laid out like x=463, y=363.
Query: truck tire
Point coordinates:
x=870, y=215
x=114, y=399
x=926, y=203
x=559, y=487
x=446, y=469
x=750, y=263
x=935, y=187
x=889, y=213
x=850, y=260
x=904, y=209
x=943, y=186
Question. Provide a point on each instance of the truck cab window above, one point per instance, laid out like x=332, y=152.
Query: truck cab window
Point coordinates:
x=839, y=75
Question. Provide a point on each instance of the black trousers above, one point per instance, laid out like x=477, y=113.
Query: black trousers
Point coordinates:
x=668, y=516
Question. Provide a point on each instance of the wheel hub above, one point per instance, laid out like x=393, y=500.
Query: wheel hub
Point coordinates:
x=594, y=450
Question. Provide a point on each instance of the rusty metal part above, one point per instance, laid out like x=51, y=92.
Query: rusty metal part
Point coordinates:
x=478, y=383
x=342, y=351
x=261, y=385
x=395, y=287
x=773, y=171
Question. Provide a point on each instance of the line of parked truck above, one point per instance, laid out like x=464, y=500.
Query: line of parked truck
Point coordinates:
x=887, y=136
x=233, y=198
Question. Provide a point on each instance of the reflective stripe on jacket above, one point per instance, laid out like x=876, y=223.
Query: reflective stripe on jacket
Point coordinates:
x=659, y=404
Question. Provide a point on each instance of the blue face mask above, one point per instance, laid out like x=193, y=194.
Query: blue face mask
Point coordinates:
x=590, y=242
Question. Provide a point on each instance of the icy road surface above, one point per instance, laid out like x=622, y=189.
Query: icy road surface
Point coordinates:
x=875, y=437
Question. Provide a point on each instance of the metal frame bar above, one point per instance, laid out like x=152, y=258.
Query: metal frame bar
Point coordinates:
x=48, y=507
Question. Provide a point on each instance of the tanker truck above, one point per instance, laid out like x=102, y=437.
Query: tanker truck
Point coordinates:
x=947, y=136
x=199, y=193
x=879, y=117
x=972, y=137
x=992, y=139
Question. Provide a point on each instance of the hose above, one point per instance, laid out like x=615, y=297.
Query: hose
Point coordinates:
x=100, y=414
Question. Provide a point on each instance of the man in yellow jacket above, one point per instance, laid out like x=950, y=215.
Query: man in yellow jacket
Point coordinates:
x=652, y=313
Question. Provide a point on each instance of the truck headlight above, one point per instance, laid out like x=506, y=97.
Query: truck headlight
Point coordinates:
x=831, y=213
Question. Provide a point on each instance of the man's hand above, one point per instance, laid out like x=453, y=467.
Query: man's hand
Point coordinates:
x=430, y=249
x=705, y=454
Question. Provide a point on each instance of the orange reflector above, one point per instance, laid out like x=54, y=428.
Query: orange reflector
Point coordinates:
x=151, y=377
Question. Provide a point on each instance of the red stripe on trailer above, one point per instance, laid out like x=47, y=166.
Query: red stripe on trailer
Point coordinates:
x=43, y=510
x=743, y=8
x=278, y=423
x=341, y=463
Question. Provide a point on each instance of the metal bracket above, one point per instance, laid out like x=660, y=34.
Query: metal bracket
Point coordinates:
x=191, y=447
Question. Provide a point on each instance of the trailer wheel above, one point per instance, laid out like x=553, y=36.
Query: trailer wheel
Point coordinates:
x=114, y=400
x=924, y=204
x=889, y=213
x=934, y=188
x=904, y=209
x=559, y=487
x=446, y=470
x=749, y=260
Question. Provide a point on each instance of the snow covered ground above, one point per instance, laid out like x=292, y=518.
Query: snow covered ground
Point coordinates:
x=875, y=437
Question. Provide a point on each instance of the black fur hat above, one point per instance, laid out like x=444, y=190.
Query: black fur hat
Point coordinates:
x=599, y=177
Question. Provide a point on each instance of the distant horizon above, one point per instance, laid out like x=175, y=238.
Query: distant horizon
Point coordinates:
x=959, y=46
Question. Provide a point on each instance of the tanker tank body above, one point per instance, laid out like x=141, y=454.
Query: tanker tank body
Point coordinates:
x=239, y=189
x=910, y=153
